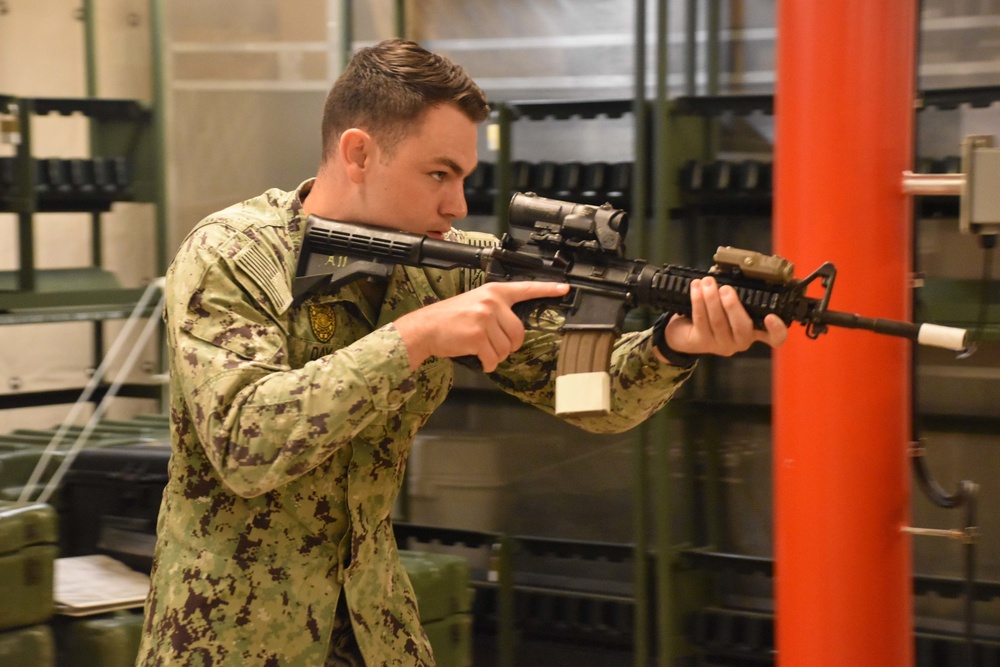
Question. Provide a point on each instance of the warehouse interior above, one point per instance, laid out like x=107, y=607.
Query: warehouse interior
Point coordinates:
x=652, y=547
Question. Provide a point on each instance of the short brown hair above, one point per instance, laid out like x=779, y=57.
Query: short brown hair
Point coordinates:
x=385, y=89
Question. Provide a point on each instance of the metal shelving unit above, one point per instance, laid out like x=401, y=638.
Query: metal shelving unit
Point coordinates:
x=125, y=164
x=673, y=135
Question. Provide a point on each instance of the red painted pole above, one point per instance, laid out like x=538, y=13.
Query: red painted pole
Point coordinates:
x=844, y=112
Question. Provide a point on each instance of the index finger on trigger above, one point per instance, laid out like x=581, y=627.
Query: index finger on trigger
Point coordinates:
x=531, y=289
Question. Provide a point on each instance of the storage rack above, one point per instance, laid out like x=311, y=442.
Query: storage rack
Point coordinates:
x=688, y=137
x=720, y=190
x=725, y=635
x=127, y=139
x=686, y=181
x=705, y=188
x=121, y=170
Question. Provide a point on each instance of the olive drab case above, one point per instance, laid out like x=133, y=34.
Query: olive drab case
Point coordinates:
x=28, y=536
x=28, y=647
x=441, y=583
x=105, y=640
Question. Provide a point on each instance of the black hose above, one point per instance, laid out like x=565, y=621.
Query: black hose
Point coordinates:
x=967, y=495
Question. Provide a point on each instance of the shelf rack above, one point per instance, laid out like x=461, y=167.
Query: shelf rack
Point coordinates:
x=124, y=164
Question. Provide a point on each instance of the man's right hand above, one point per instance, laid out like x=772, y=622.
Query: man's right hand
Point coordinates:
x=479, y=322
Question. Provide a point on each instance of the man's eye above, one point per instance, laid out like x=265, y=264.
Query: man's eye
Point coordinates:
x=438, y=175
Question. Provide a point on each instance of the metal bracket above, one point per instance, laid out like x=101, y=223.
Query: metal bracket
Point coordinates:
x=966, y=535
x=978, y=185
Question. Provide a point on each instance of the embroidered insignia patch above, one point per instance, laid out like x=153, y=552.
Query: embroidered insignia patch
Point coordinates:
x=323, y=321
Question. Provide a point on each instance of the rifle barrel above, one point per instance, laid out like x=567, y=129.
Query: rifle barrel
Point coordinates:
x=935, y=335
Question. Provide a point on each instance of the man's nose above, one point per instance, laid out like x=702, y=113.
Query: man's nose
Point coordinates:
x=455, y=205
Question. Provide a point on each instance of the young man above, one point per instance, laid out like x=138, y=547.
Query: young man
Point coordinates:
x=291, y=425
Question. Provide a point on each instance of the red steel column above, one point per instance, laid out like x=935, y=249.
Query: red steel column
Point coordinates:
x=844, y=112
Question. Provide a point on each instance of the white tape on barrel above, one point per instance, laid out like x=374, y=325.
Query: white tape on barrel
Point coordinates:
x=950, y=338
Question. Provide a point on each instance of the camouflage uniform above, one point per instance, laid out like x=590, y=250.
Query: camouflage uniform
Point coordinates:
x=291, y=428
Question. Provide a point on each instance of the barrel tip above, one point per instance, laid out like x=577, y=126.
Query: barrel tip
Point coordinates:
x=950, y=338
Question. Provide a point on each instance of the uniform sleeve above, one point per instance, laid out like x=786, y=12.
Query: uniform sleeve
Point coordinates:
x=262, y=423
x=640, y=383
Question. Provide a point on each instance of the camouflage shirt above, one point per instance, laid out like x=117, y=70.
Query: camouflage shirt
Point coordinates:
x=291, y=427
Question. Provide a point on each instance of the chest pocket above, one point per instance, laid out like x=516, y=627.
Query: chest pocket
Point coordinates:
x=322, y=325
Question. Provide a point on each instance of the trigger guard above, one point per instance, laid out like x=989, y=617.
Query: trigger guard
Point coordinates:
x=525, y=310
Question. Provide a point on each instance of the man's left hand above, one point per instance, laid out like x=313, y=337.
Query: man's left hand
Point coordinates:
x=719, y=324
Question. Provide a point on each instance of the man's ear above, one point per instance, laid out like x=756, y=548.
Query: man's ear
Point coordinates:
x=356, y=149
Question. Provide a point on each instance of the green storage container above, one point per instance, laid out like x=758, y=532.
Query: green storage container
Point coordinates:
x=440, y=581
x=28, y=535
x=28, y=647
x=16, y=468
x=13, y=442
x=105, y=640
x=451, y=640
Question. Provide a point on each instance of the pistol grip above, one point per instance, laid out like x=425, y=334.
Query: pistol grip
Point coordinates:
x=470, y=361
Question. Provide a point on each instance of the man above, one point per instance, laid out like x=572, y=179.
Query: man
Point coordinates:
x=291, y=425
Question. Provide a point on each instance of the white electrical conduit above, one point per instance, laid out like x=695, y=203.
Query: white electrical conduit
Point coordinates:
x=88, y=391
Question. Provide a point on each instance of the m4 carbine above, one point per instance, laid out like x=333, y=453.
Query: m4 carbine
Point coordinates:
x=583, y=245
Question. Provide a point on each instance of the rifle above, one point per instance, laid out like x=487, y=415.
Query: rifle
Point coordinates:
x=583, y=245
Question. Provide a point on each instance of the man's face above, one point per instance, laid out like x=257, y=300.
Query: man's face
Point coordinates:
x=419, y=186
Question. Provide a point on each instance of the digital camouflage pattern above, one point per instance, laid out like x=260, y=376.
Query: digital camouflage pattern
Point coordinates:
x=291, y=428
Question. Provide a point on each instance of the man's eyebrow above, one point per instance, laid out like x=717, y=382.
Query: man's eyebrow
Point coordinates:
x=451, y=164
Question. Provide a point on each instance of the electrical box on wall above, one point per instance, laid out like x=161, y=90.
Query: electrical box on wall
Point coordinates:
x=980, y=208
